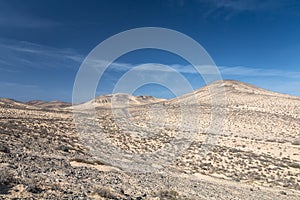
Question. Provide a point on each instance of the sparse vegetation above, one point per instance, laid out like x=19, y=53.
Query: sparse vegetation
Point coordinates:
x=296, y=142
x=7, y=181
x=4, y=148
x=106, y=193
x=294, y=165
x=6, y=177
x=168, y=195
x=48, y=160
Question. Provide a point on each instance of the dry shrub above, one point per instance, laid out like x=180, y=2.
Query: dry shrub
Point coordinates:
x=106, y=193
x=296, y=142
x=7, y=181
x=6, y=177
x=168, y=194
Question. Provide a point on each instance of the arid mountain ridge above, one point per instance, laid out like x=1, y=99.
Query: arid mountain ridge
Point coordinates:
x=232, y=88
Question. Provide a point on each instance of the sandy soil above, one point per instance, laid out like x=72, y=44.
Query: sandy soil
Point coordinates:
x=256, y=156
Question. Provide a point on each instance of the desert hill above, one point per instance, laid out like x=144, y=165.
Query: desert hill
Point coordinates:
x=10, y=103
x=51, y=104
x=256, y=154
x=119, y=100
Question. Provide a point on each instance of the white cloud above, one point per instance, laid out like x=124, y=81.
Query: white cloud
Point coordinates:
x=20, y=54
x=206, y=70
x=258, y=72
x=226, y=9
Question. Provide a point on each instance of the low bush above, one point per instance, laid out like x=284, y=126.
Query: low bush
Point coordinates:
x=168, y=195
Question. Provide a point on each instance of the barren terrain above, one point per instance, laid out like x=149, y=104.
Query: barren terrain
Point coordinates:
x=256, y=156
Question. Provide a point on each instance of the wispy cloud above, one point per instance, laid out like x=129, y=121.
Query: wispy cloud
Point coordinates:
x=242, y=5
x=278, y=80
x=16, y=85
x=205, y=69
x=258, y=72
x=22, y=55
x=19, y=54
x=226, y=9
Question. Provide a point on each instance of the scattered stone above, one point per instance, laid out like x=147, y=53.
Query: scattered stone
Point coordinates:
x=283, y=192
x=64, y=148
x=34, y=189
x=4, y=148
x=236, y=179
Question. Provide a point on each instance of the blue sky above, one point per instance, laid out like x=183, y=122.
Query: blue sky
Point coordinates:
x=42, y=43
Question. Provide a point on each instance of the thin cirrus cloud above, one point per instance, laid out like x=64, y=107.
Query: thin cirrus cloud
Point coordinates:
x=21, y=54
x=249, y=5
x=227, y=9
x=16, y=55
x=189, y=69
x=255, y=72
x=207, y=70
